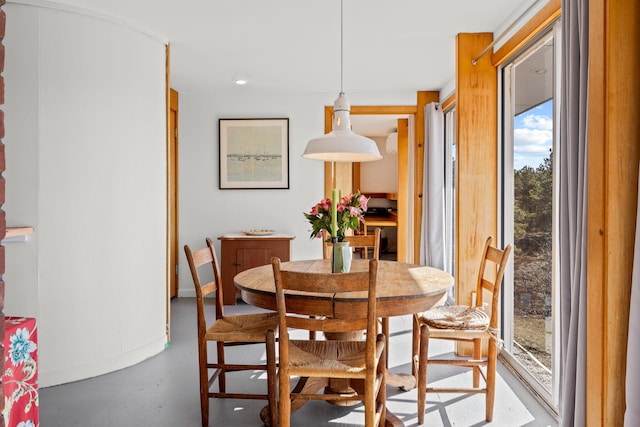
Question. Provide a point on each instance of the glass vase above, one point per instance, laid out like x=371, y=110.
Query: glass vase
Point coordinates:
x=340, y=257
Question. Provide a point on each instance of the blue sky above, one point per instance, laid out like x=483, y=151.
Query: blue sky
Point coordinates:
x=533, y=135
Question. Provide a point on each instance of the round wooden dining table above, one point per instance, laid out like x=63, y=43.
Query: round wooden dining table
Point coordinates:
x=402, y=289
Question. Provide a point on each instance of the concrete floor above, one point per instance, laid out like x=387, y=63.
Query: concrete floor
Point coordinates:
x=163, y=391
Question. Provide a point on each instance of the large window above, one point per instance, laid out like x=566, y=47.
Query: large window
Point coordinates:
x=529, y=87
x=450, y=187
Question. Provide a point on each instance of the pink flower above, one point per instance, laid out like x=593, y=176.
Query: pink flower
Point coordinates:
x=348, y=208
x=363, y=200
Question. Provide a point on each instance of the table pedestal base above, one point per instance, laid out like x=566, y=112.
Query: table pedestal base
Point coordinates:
x=405, y=382
x=341, y=386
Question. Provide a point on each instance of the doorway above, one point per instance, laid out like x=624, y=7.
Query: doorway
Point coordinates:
x=347, y=174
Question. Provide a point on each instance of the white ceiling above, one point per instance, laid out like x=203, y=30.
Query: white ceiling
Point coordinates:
x=399, y=46
x=534, y=82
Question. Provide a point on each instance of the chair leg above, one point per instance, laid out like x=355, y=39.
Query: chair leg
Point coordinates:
x=272, y=378
x=385, y=332
x=370, y=402
x=477, y=355
x=284, y=398
x=415, y=346
x=382, y=394
x=491, y=378
x=422, y=371
x=204, y=383
x=222, y=378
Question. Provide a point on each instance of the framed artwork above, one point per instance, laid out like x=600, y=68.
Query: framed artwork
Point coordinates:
x=254, y=153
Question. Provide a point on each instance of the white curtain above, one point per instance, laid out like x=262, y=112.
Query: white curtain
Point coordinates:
x=432, y=242
x=573, y=212
x=632, y=413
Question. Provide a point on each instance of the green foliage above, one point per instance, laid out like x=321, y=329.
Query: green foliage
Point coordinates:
x=533, y=191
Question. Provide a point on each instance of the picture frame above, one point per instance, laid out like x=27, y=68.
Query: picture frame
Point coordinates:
x=254, y=153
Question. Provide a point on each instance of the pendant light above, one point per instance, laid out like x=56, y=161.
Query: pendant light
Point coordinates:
x=342, y=144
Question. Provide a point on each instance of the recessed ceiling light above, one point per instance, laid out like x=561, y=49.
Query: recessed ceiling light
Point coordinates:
x=240, y=82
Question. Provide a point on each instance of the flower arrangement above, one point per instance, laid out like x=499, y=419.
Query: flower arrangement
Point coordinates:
x=338, y=214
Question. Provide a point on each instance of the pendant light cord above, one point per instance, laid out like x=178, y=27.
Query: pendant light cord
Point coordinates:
x=341, y=44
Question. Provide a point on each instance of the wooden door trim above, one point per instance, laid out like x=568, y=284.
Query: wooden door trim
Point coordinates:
x=404, y=216
x=172, y=196
x=171, y=229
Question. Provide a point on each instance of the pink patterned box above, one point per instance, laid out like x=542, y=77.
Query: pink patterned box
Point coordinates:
x=20, y=377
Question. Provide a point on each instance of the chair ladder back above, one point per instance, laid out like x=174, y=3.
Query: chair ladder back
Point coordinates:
x=326, y=283
x=502, y=265
x=366, y=242
x=492, y=267
x=197, y=259
x=480, y=285
x=321, y=324
x=218, y=279
x=500, y=259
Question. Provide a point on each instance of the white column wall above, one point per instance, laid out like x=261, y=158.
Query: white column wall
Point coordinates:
x=86, y=166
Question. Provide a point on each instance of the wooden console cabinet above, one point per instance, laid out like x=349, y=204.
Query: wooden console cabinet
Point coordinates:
x=241, y=252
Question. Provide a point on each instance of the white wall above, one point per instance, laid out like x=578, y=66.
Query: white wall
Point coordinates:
x=380, y=176
x=85, y=148
x=206, y=211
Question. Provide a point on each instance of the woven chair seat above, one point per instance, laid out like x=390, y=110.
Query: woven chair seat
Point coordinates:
x=243, y=327
x=456, y=317
x=338, y=359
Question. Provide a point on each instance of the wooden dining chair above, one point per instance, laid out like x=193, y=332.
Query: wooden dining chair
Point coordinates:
x=359, y=241
x=344, y=359
x=466, y=324
x=227, y=331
